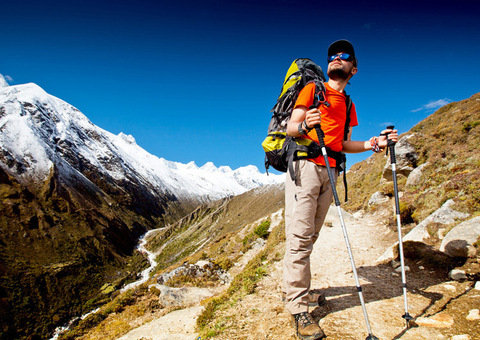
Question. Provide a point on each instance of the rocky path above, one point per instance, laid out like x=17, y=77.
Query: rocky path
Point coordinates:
x=342, y=316
x=262, y=316
x=177, y=325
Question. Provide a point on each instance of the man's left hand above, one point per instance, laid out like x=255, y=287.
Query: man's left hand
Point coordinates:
x=387, y=134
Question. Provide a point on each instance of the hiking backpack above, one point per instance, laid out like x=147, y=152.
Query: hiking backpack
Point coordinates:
x=281, y=150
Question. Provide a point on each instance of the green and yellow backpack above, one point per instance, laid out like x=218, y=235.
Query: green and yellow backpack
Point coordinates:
x=281, y=150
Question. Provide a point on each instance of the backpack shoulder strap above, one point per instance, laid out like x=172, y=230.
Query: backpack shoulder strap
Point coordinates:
x=348, y=102
x=319, y=96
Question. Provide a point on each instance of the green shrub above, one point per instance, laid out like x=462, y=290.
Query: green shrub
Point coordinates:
x=208, y=313
x=470, y=125
x=262, y=229
x=247, y=241
x=225, y=264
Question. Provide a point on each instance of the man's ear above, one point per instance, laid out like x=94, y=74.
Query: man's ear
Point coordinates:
x=354, y=70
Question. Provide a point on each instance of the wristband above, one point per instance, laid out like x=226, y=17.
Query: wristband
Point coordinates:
x=306, y=126
x=374, y=144
x=301, y=131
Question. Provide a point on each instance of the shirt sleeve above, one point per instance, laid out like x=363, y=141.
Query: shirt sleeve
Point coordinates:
x=306, y=95
x=353, y=116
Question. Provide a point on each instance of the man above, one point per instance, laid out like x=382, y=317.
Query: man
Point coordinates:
x=309, y=195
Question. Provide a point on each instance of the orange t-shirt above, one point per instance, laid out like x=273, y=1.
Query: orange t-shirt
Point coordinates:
x=333, y=118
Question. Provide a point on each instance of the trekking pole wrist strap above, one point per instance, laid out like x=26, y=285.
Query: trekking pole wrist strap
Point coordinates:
x=374, y=144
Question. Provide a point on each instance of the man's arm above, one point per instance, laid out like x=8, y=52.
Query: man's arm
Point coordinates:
x=301, y=115
x=350, y=146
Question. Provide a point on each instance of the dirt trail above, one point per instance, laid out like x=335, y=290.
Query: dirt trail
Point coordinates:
x=342, y=316
x=262, y=315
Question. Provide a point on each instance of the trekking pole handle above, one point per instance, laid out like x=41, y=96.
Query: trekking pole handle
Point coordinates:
x=391, y=145
x=321, y=135
x=389, y=141
x=318, y=129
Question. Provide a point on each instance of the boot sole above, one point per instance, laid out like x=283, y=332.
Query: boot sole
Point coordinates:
x=311, y=337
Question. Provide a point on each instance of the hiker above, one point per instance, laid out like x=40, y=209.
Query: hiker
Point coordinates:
x=308, y=194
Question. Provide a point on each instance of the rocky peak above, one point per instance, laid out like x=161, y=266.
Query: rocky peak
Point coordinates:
x=3, y=82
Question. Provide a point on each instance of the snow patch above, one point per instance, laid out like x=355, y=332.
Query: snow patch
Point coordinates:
x=38, y=130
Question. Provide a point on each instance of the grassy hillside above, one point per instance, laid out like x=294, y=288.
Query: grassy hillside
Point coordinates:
x=210, y=229
x=221, y=231
x=447, y=143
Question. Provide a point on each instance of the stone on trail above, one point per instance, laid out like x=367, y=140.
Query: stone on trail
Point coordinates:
x=457, y=274
x=436, y=321
x=399, y=269
x=444, y=215
x=177, y=325
x=474, y=314
x=461, y=337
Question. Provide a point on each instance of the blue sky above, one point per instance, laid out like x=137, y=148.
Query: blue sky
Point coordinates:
x=195, y=80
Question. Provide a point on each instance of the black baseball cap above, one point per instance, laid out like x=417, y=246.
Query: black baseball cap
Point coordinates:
x=342, y=46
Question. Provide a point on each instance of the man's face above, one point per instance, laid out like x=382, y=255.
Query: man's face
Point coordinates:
x=341, y=69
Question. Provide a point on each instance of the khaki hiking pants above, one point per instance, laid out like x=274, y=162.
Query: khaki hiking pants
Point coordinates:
x=307, y=200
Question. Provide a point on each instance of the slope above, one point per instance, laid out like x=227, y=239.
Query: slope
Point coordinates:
x=444, y=147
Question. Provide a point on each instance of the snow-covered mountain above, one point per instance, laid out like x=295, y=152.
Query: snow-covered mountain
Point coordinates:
x=75, y=199
x=39, y=130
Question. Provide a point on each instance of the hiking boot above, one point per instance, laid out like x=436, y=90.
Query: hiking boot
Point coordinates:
x=315, y=298
x=306, y=328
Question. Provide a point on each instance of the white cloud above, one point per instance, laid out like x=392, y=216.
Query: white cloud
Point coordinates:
x=433, y=105
x=385, y=124
x=8, y=78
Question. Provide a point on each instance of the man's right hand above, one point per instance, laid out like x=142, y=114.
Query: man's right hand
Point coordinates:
x=312, y=117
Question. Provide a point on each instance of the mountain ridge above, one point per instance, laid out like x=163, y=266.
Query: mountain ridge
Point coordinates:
x=52, y=118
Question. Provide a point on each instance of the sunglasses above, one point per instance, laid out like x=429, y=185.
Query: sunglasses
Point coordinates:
x=342, y=56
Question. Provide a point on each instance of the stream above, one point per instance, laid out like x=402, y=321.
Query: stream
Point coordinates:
x=144, y=276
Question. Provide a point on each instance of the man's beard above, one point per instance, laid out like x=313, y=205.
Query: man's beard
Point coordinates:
x=337, y=73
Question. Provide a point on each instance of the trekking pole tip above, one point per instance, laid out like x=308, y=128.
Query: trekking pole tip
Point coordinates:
x=371, y=337
x=409, y=320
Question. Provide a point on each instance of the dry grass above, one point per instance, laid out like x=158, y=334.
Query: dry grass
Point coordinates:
x=447, y=141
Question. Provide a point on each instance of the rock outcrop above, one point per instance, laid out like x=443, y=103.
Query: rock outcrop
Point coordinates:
x=459, y=242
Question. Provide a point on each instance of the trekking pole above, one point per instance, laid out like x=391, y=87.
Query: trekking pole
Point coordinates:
x=391, y=147
x=321, y=141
